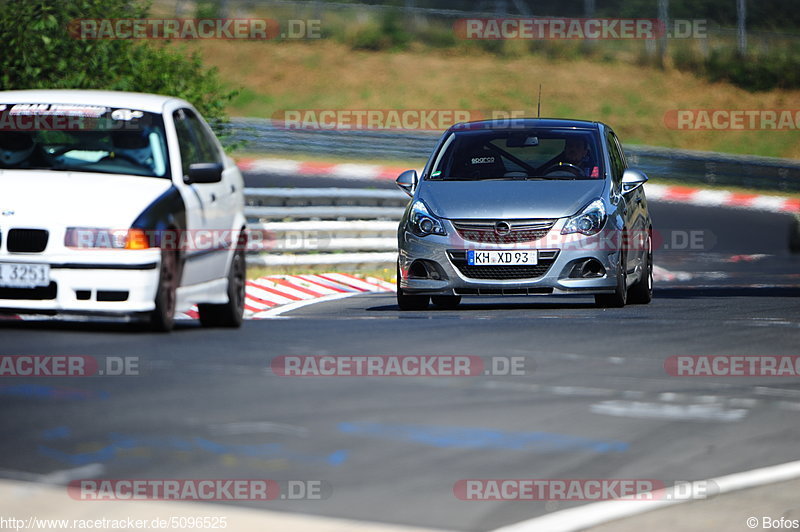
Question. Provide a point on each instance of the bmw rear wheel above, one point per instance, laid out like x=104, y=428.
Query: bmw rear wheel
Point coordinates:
x=162, y=318
x=228, y=314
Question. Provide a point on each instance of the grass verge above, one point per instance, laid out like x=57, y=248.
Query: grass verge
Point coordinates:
x=633, y=98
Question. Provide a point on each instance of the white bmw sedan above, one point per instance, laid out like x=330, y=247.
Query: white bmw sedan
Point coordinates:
x=117, y=204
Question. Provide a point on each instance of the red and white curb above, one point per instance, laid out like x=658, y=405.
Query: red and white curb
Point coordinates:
x=368, y=172
x=662, y=274
x=666, y=193
x=721, y=198
x=274, y=295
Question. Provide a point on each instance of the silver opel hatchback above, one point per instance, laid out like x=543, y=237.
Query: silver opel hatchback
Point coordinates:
x=524, y=207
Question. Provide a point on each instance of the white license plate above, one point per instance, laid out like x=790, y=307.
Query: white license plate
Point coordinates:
x=517, y=257
x=24, y=275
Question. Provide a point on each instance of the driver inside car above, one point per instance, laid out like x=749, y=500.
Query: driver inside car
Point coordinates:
x=576, y=153
x=133, y=146
x=15, y=149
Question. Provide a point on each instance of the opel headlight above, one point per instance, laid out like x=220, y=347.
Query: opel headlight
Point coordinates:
x=423, y=223
x=589, y=221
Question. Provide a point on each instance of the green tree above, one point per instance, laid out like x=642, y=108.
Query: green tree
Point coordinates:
x=40, y=52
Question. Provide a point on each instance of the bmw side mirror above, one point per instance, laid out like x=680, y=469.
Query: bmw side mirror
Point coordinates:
x=204, y=173
x=632, y=179
x=407, y=181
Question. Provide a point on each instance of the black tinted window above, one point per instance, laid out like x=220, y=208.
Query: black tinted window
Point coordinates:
x=83, y=138
x=519, y=154
x=617, y=162
x=195, y=142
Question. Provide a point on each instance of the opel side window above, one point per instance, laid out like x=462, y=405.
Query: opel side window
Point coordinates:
x=617, y=165
x=620, y=152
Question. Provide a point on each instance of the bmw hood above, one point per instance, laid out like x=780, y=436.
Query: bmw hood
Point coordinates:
x=47, y=198
x=508, y=199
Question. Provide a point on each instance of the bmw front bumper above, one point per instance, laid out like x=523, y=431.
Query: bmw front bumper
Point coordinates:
x=92, y=282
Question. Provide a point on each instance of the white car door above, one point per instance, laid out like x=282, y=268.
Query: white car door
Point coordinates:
x=228, y=201
x=206, y=243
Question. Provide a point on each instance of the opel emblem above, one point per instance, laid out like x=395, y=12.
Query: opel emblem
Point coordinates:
x=502, y=228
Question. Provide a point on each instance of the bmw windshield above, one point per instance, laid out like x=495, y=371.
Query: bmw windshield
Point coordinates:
x=82, y=138
x=519, y=154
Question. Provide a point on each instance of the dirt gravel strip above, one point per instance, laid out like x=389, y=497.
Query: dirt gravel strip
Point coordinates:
x=36, y=503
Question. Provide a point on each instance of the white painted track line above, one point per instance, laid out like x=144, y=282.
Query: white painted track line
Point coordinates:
x=594, y=514
x=276, y=312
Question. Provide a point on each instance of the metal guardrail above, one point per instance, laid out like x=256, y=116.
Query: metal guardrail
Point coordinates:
x=305, y=227
x=324, y=226
x=690, y=167
x=355, y=227
x=326, y=203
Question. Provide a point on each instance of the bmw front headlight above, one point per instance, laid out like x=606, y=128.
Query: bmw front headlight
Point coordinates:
x=97, y=238
x=423, y=223
x=589, y=221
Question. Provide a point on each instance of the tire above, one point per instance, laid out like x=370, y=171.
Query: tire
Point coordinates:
x=230, y=314
x=410, y=302
x=162, y=318
x=794, y=235
x=620, y=295
x=406, y=302
x=642, y=292
x=446, y=302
